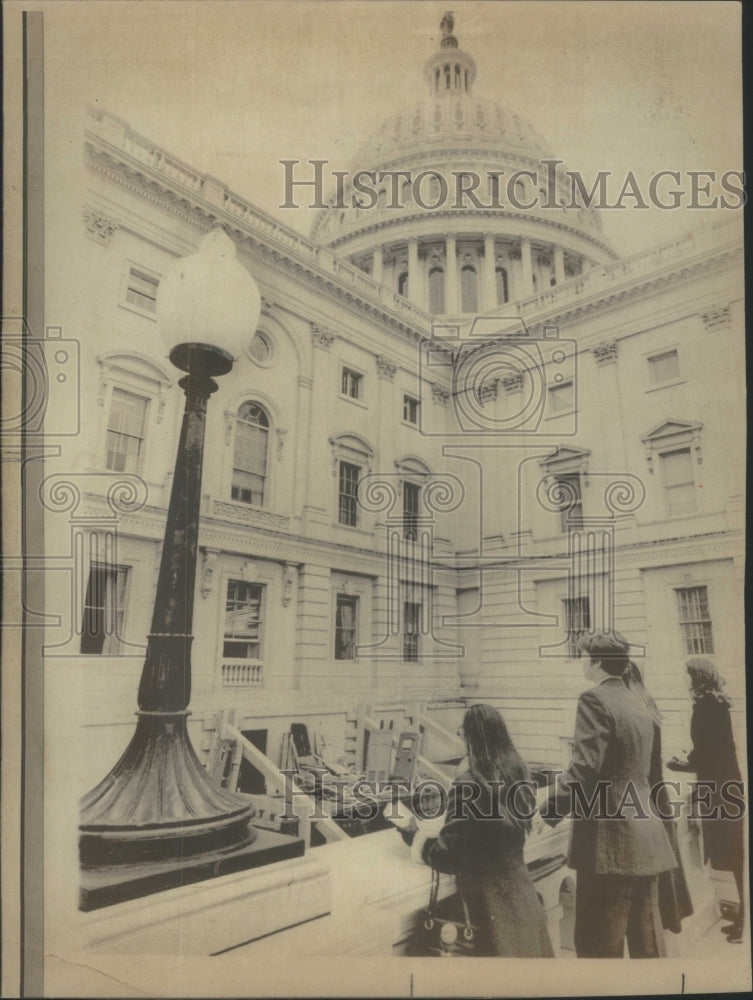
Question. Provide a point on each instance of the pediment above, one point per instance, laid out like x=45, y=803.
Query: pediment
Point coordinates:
x=566, y=458
x=672, y=428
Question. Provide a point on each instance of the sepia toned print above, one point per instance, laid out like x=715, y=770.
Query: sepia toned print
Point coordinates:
x=379, y=450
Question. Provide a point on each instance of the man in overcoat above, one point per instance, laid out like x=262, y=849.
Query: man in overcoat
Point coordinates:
x=618, y=844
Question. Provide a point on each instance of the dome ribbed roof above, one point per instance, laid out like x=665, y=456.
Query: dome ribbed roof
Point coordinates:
x=447, y=121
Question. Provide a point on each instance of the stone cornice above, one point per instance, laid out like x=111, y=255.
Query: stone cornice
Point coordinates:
x=283, y=250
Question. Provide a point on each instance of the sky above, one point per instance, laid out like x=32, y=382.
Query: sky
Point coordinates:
x=234, y=87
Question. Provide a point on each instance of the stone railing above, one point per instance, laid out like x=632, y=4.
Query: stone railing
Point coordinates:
x=119, y=134
x=603, y=276
x=242, y=673
x=241, y=513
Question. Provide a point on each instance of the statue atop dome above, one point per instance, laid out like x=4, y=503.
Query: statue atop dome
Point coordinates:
x=446, y=26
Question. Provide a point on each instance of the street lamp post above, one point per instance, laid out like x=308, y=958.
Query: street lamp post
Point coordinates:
x=158, y=819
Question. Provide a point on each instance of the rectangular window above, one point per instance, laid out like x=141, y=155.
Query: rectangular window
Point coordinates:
x=695, y=620
x=571, y=501
x=346, y=627
x=411, y=493
x=125, y=431
x=347, y=512
x=679, y=482
x=577, y=623
x=242, y=636
x=351, y=383
x=410, y=410
x=562, y=398
x=141, y=290
x=664, y=367
x=104, y=606
x=411, y=631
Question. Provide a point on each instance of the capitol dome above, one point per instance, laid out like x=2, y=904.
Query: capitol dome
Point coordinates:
x=456, y=202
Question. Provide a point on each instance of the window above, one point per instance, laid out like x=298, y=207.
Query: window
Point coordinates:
x=351, y=383
x=436, y=290
x=577, y=622
x=141, y=290
x=695, y=620
x=411, y=631
x=125, y=431
x=562, y=398
x=503, y=293
x=468, y=289
x=242, y=636
x=664, y=367
x=346, y=626
x=348, y=494
x=679, y=482
x=410, y=409
x=250, y=456
x=104, y=605
x=402, y=284
x=411, y=494
x=570, y=500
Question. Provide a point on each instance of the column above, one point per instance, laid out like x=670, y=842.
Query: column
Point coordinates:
x=489, y=286
x=451, y=278
x=559, y=265
x=320, y=491
x=377, y=266
x=414, y=292
x=526, y=267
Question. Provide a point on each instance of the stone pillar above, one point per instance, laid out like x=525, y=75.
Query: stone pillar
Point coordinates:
x=414, y=285
x=319, y=491
x=377, y=267
x=559, y=265
x=451, y=278
x=313, y=655
x=489, y=284
x=526, y=268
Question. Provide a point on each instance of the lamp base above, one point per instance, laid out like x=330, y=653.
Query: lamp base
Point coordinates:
x=109, y=885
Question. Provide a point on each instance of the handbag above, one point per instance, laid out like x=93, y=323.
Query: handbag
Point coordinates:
x=442, y=936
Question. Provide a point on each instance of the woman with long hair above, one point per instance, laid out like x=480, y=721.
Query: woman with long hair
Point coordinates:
x=488, y=816
x=714, y=761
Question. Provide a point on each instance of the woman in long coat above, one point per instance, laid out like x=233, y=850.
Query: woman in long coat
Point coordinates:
x=481, y=842
x=714, y=761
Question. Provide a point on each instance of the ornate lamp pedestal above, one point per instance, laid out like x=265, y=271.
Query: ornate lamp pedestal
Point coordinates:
x=158, y=819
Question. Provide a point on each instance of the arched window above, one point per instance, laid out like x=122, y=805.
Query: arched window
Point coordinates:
x=503, y=292
x=250, y=458
x=447, y=77
x=402, y=284
x=457, y=78
x=535, y=281
x=468, y=289
x=436, y=290
x=436, y=80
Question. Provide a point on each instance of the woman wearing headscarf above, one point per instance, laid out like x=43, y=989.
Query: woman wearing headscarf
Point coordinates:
x=618, y=845
x=714, y=761
x=481, y=840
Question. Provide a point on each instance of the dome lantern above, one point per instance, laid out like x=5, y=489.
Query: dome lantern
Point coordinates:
x=450, y=71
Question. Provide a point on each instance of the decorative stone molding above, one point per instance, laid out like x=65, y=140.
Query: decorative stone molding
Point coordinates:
x=385, y=368
x=208, y=567
x=566, y=461
x=670, y=435
x=281, y=433
x=241, y=513
x=487, y=390
x=288, y=583
x=322, y=337
x=513, y=383
x=440, y=395
x=350, y=448
x=133, y=371
x=606, y=353
x=98, y=226
x=230, y=418
x=305, y=382
x=716, y=318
